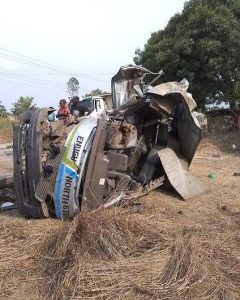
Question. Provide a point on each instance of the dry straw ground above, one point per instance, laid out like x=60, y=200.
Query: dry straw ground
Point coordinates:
x=159, y=248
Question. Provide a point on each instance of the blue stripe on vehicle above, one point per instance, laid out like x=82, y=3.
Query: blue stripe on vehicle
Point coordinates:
x=58, y=206
x=63, y=169
x=71, y=173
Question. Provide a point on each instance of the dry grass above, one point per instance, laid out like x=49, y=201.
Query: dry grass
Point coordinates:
x=18, y=240
x=168, y=249
x=6, y=130
x=117, y=255
x=221, y=142
x=100, y=254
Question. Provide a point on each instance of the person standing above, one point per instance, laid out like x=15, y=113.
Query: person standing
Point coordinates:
x=63, y=112
x=76, y=108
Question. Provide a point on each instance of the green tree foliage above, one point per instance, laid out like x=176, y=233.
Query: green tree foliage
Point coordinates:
x=72, y=86
x=22, y=104
x=96, y=92
x=201, y=44
x=3, y=111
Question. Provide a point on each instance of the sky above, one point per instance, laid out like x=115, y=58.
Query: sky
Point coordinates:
x=44, y=43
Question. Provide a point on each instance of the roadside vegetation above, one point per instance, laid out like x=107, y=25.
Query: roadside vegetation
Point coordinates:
x=6, y=129
x=201, y=44
x=7, y=120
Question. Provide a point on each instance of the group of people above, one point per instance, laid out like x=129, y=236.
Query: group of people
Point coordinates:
x=73, y=108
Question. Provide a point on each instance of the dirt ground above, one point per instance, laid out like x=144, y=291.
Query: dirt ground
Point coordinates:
x=190, y=252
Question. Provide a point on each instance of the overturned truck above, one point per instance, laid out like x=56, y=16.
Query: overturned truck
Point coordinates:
x=146, y=141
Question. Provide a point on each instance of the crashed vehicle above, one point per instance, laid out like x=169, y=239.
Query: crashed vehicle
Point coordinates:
x=146, y=141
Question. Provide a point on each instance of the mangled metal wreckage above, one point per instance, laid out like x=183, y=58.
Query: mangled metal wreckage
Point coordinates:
x=147, y=140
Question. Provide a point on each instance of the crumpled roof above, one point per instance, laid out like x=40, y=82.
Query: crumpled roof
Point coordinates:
x=174, y=87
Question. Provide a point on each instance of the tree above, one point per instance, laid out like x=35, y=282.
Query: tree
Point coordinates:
x=96, y=92
x=201, y=44
x=72, y=86
x=22, y=104
x=3, y=111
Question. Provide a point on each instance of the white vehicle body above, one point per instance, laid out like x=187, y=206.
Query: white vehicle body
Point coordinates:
x=216, y=105
x=96, y=103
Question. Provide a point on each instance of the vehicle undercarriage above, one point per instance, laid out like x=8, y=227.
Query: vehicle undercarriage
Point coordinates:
x=146, y=141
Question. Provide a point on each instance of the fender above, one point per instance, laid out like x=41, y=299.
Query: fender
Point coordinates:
x=187, y=185
x=71, y=168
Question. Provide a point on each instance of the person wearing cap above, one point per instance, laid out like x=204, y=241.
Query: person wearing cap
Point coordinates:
x=63, y=112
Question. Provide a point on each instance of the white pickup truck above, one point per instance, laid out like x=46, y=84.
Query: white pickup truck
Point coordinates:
x=94, y=103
